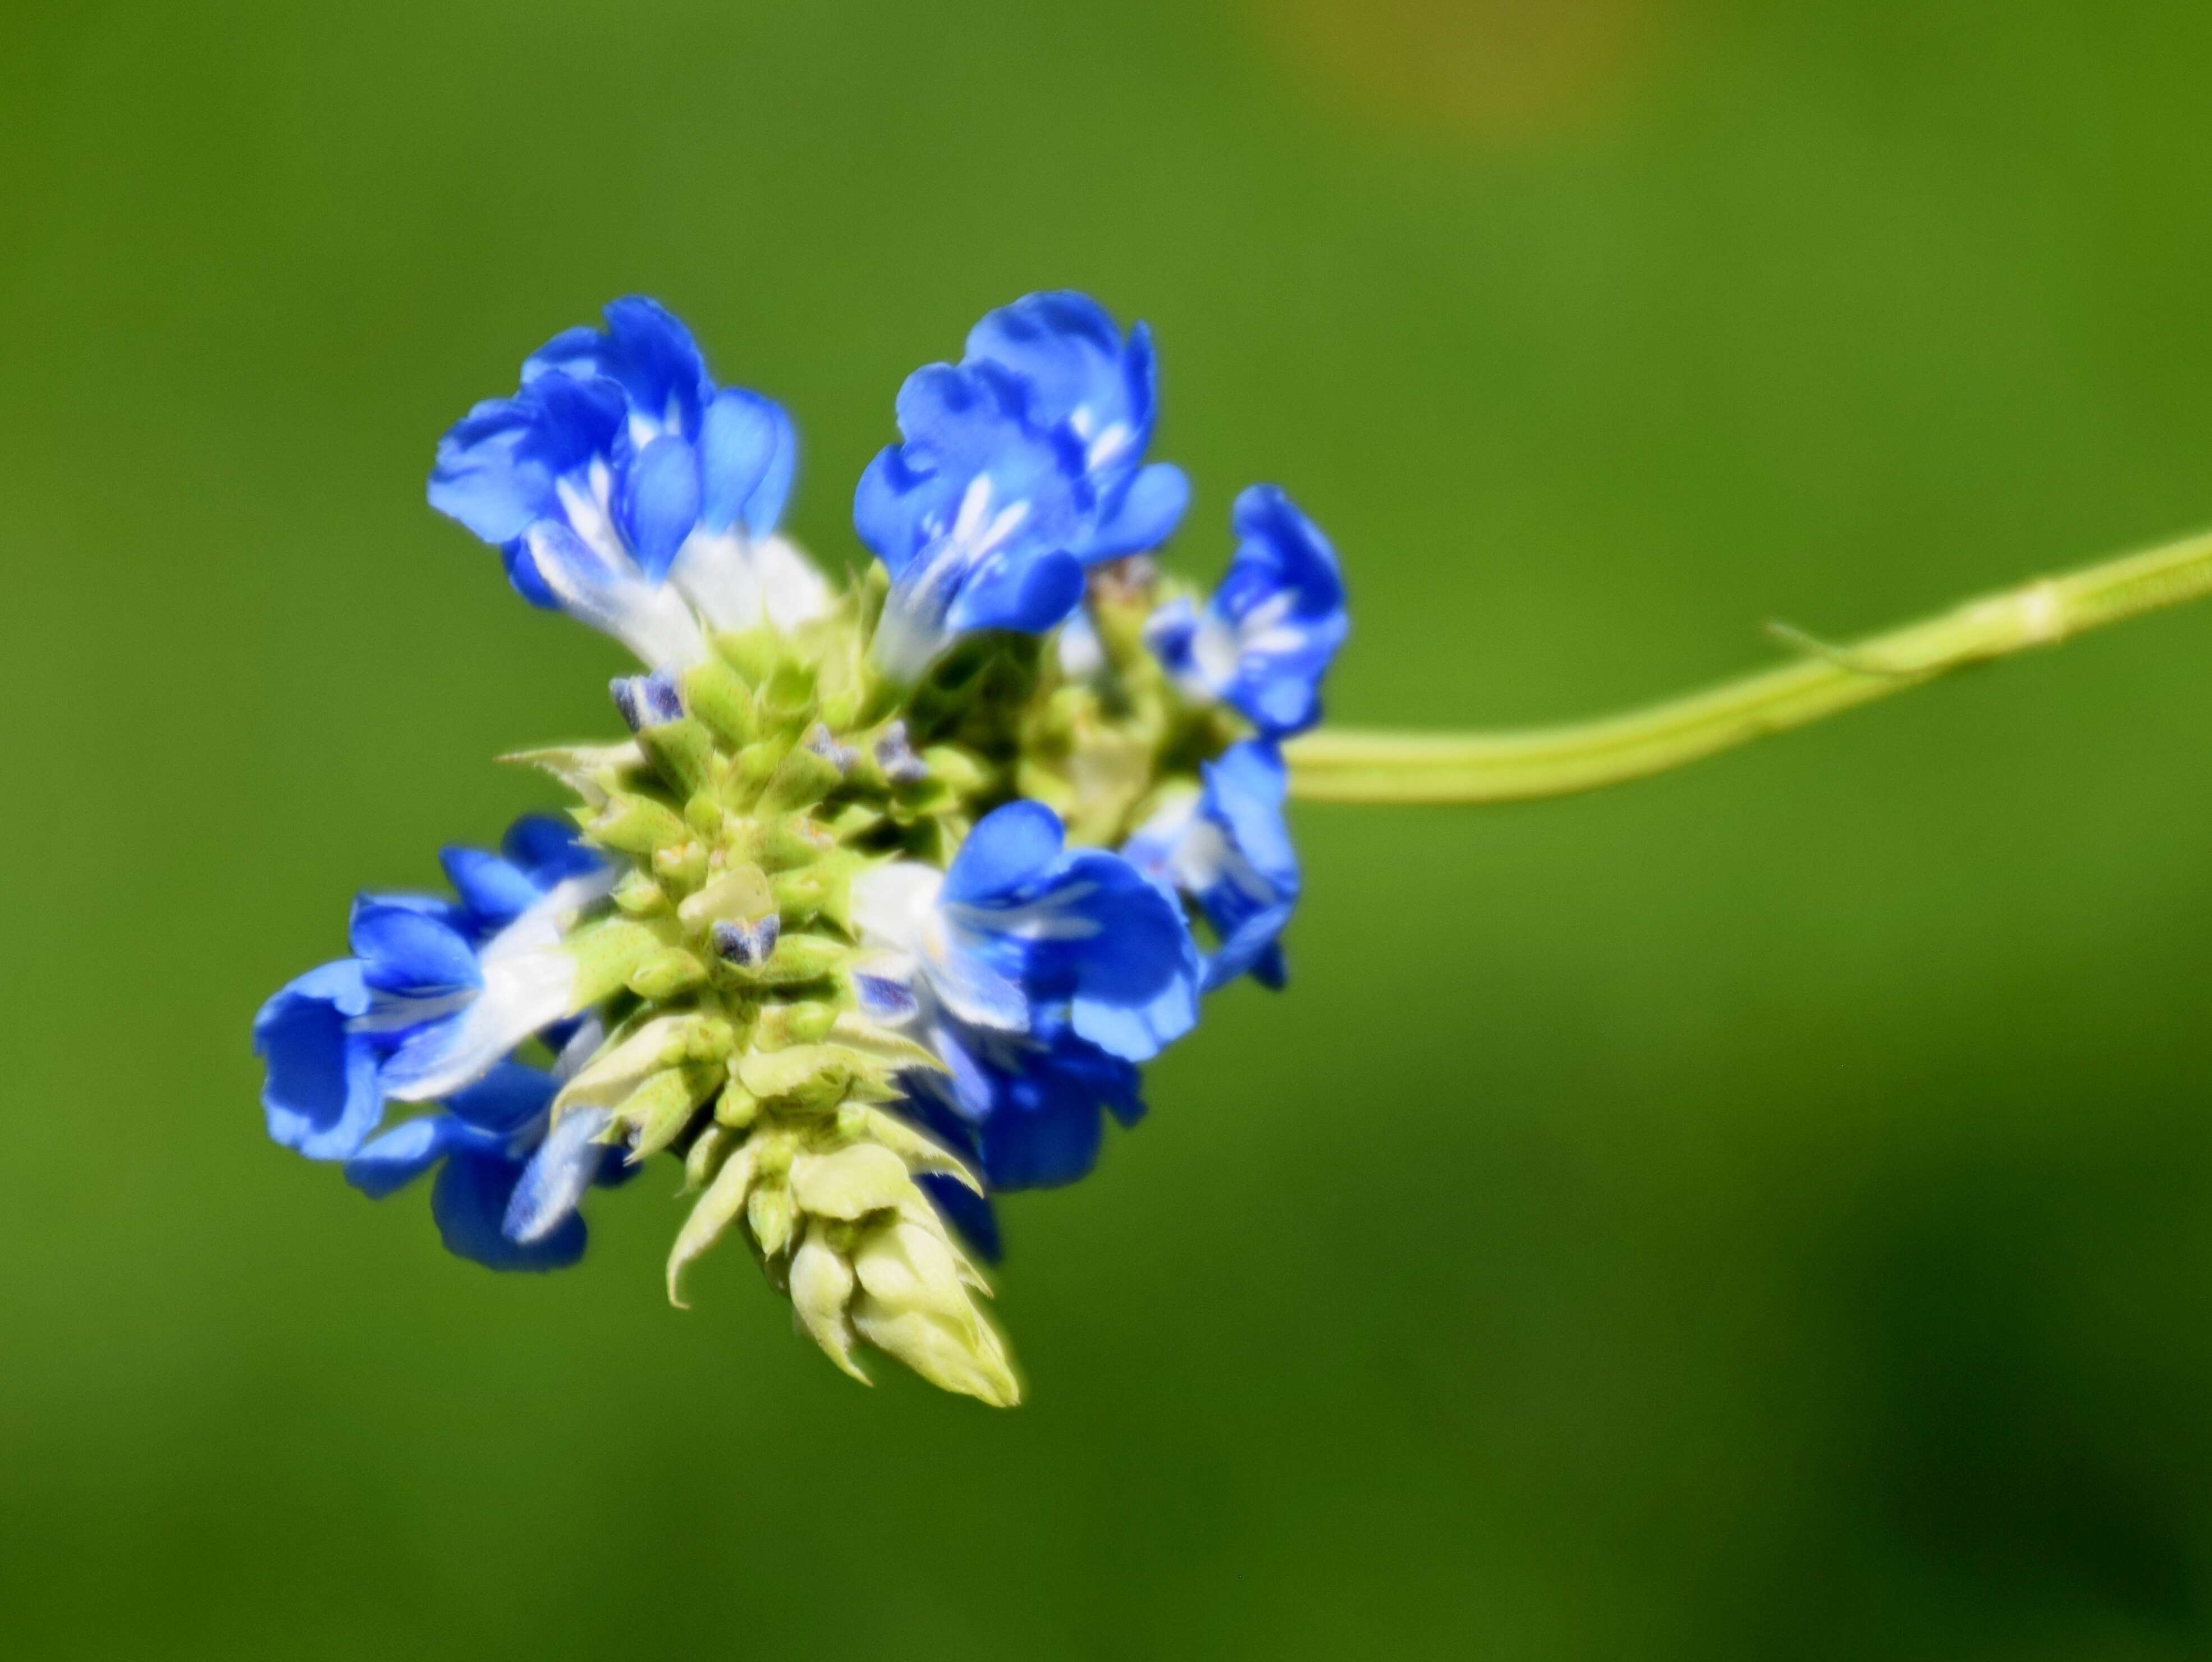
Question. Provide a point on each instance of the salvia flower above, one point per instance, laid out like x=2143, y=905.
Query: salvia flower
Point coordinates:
x=889, y=889
x=1265, y=638
x=1038, y=974
x=1020, y=466
x=624, y=487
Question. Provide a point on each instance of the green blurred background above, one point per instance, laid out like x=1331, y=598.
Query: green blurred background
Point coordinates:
x=1764, y=1212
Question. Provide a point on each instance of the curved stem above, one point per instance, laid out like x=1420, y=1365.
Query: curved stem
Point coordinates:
x=1337, y=764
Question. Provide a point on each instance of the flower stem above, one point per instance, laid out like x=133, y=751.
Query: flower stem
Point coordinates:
x=1343, y=765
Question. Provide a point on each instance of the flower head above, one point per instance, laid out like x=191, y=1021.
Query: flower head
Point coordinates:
x=862, y=933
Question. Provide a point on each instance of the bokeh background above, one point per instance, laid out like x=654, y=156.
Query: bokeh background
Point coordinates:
x=1763, y=1212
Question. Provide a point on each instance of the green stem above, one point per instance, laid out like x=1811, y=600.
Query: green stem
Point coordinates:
x=1353, y=765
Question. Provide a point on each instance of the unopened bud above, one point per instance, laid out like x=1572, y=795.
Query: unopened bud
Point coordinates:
x=822, y=1283
x=912, y=1305
x=802, y=779
x=639, y=895
x=636, y=826
x=769, y=1214
x=740, y=892
x=851, y=1183
x=658, y=1110
x=667, y=972
x=718, y=696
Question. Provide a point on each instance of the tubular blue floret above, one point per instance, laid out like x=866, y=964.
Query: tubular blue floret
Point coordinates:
x=1266, y=637
x=624, y=487
x=436, y=993
x=1038, y=974
x=1017, y=467
x=1228, y=848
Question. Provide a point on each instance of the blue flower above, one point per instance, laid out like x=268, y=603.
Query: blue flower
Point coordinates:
x=1228, y=847
x=1265, y=636
x=509, y=1181
x=624, y=487
x=1018, y=466
x=436, y=992
x=1039, y=975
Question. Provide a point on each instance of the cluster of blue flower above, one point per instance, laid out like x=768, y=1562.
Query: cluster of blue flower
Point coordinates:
x=1015, y=517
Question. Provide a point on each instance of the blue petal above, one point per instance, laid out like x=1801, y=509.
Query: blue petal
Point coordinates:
x=644, y=351
x=470, y=1201
x=497, y=468
x=747, y=453
x=961, y=425
x=966, y=1211
x=880, y=516
x=660, y=502
x=403, y=1153
x=1244, y=794
x=1143, y=516
x=1009, y=848
x=1027, y=596
x=319, y=1094
x=1066, y=346
x=1132, y=980
x=523, y=575
x=549, y=849
x=1042, y=1147
x=407, y=952
x=1281, y=607
x=496, y=892
x=505, y=1099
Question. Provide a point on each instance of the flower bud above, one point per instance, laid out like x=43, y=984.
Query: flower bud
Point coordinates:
x=769, y=1214
x=851, y=1183
x=718, y=696
x=914, y=1305
x=822, y=1282
x=636, y=826
x=666, y=973
x=658, y=1110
